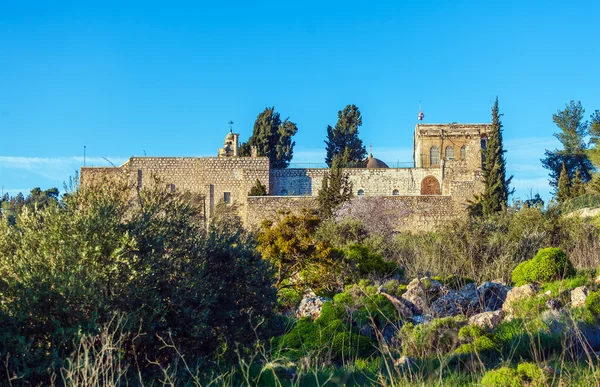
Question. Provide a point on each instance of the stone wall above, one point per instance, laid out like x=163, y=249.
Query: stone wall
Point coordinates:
x=212, y=177
x=410, y=213
x=373, y=182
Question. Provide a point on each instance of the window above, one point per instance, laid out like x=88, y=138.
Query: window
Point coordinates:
x=483, y=148
x=434, y=155
x=449, y=153
x=463, y=152
x=227, y=197
x=395, y=192
x=172, y=187
x=361, y=192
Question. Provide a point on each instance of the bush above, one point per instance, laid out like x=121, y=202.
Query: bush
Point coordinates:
x=592, y=303
x=548, y=264
x=532, y=374
x=502, y=377
x=363, y=262
x=437, y=336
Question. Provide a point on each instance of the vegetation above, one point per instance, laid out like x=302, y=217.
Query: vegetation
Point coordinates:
x=548, y=264
x=258, y=189
x=272, y=138
x=495, y=195
x=336, y=188
x=342, y=139
x=574, y=155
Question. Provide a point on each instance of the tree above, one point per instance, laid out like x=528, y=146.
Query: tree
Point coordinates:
x=574, y=155
x=594, y=132
x=563, y=192
x=343, y=140
x=258, y=189
x=300, y=260
x=336, y=188
x=272, y=138
x=496, y=191
x=577, y=185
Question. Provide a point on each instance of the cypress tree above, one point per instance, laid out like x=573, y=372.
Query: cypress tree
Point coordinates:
x=577, y=186
x=336, y=188
x=495, y=194
x=564, y=186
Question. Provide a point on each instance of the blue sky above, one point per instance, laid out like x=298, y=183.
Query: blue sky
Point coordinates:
x=163, y=79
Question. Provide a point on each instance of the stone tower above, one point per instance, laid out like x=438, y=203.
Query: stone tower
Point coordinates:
x=230, y=147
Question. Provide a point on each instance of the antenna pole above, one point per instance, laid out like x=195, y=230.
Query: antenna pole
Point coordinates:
x=84, y=155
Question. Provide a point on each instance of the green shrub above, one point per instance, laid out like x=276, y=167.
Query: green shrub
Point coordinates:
x=548, y=264
x=437, y=336
x=502, y=377
x=592, y=303
x=363, y=262
x=469, y=333
x=532, y=374
x=559, y=286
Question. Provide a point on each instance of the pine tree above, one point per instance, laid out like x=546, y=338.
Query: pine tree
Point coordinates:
x=336, y=188
x=574, y=155
x=496, y=191
x=595, y=184
x=577, y=186
x=343, y=139
x=564, y=186
x=272, y=138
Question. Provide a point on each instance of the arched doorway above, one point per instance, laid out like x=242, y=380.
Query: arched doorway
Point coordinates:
x=430, y=186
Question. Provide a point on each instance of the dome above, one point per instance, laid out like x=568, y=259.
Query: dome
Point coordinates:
x=229, y=137
x=372, y=162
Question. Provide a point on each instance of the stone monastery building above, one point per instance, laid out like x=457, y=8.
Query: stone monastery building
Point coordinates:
x=446, y=173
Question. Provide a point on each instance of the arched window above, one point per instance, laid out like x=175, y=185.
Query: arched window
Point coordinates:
x=449, y=153
x=434, y=156
x=361, y=192
x=463, y=152
x=395, y=192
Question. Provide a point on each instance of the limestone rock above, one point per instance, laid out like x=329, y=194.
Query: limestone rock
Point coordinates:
x=420, y=293
x=311, y=306
x=578, y=296
x=491, y=296
x=516, y=294
x=405, y=362
x=487, y=319
x=400, y=306
x=455, y=302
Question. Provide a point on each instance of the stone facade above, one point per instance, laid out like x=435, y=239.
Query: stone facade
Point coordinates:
x=447, y=172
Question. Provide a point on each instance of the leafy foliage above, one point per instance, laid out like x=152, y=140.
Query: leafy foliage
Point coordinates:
x=574, y=154
x=272, y=138
x=548, y=264
x=67, y=269
x=342, y=139
x=258, y=189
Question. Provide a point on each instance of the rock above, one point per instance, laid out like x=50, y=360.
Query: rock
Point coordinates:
x=400, y=306
x=311, y=306
x=420, y=293
x=550, y=371
x=548, y=292
x=597, y=280
x=491, y=296
x=421, y=319
x=405, y=362
x=389, y=333
x=578, y=296
x=487, y=319
x=454, y=303
x=554, y=304
x=516, y=294
x=284, y=370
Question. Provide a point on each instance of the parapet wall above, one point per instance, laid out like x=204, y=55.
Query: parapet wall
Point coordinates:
x=373, y=182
